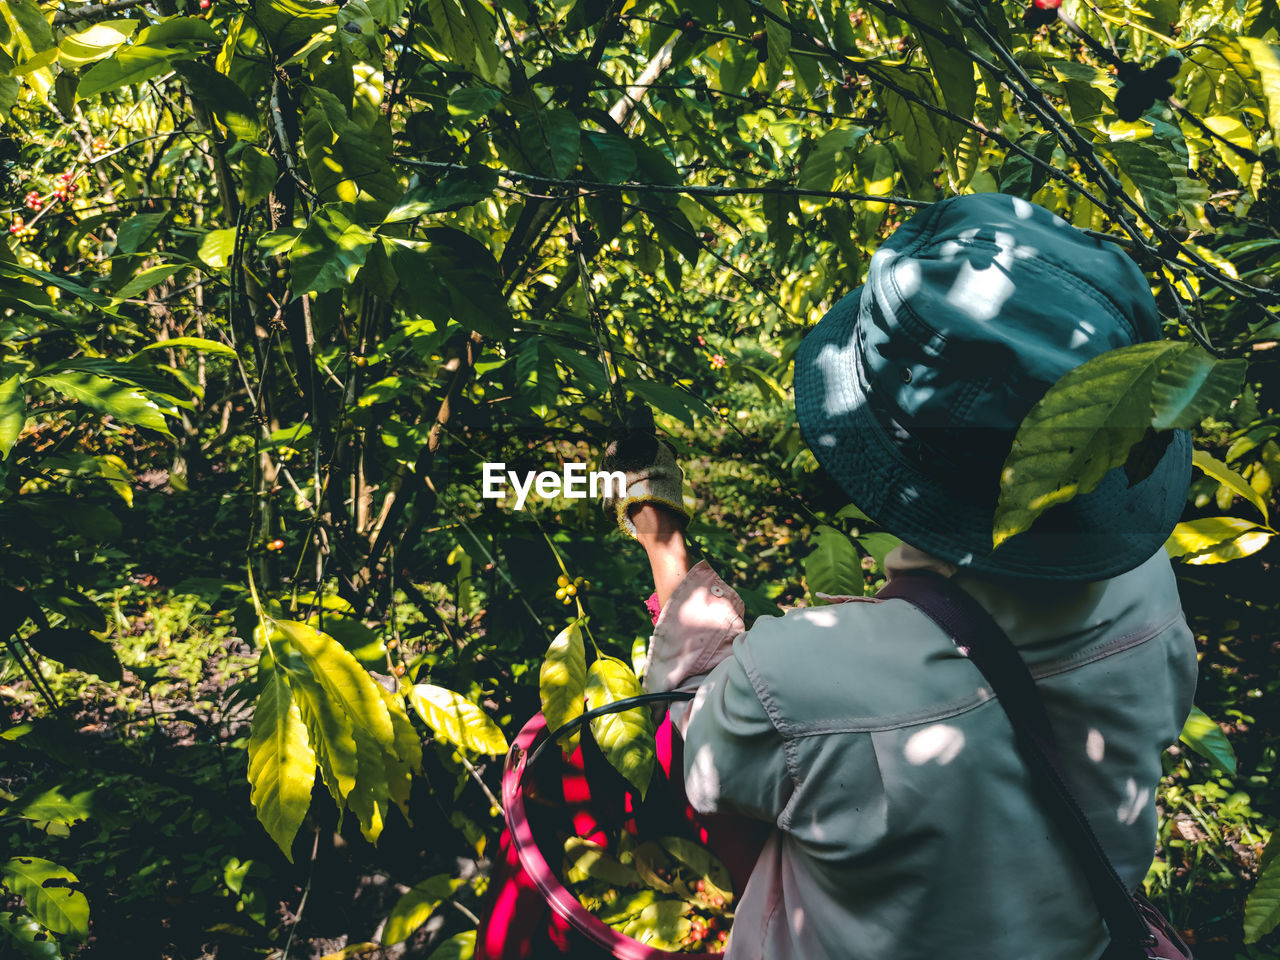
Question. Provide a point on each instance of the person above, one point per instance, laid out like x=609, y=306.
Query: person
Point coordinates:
x=904, y=824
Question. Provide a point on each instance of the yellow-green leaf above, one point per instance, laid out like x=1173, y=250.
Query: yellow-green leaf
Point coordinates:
x=407, y=758
x=626, y=737
x=585, y=860
x=13, y=412
x=415, y=907
x=368, y=799
x=662, y=925
x=123, y=401
x=1266, y=59
x=50, y=895
x=329, y=730
x=456, y=719
x=1216, y=539
x=20, y=936
x=461, y=946
x=1229, y=479
x=282, y=765
x=96, y=43
x=342, y=678
x=562, y=682
x=193, y=343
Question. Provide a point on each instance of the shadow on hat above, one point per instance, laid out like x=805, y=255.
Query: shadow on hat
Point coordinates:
x=910, y=390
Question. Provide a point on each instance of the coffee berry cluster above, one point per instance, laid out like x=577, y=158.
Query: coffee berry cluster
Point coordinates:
x=567, y=589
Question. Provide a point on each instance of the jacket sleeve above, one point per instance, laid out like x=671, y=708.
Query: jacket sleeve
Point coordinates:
x=735, y=759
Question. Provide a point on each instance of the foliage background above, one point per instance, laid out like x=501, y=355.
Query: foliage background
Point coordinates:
x=281, y=274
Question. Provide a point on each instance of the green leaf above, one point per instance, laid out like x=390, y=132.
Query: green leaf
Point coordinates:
x=833, y=566
x=914, y=124
x=1229, y=479
x=348, y=721
x=1216, y=540
x=667, y=399
x=330, y=731
x=258, y=175
x=951, y=65
x=1193, y=385
x=47, y=889
x=1149, y=169
x=415, y=907
x=877, y=546
x=701, y=861
x=562, y=682
x=28, y=29
x=72, y=604
x=465, y=34
x=454, y=718
x=452, y=275
x=122, y=401
x=289, y=24
x=1083, y=427
x=191, y=343
x=96, y=43
x=473, y=101
x=137, y=230
x=1206, y=738
x=282, y=765
x=553, y=136
x=128, y=66
x=609, y=156
x=329, y=253
x=77, y=290
x=456, y=189
x=346, y=159
x=78, y=648
x=223, y=97
x=145, y=280
x=831, y=158
x=50, y=805
x=20, y=936
x=626, y=737
x=777, y=42
x=1262, y=908
x=13, y=413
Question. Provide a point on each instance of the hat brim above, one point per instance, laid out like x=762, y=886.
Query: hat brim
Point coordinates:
x=1106, y=532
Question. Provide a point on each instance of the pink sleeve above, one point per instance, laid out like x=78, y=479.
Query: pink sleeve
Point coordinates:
x=694, y=631
x=653, y=607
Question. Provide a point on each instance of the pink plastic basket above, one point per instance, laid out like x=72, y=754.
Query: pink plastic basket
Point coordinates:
x=530, y=912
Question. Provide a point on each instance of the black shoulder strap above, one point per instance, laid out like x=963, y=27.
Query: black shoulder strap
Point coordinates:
x=981, y=639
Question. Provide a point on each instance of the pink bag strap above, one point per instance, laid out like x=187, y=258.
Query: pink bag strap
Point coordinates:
x=977, y=635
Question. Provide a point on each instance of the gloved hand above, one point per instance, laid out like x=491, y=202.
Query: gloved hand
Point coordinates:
x=652, y=474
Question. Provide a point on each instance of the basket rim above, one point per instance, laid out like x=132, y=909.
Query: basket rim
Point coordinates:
x=535, y=865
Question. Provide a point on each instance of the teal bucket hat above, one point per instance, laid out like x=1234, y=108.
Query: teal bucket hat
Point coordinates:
x=909, y=391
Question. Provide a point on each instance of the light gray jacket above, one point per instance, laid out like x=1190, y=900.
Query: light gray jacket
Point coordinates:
x=905, y=824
